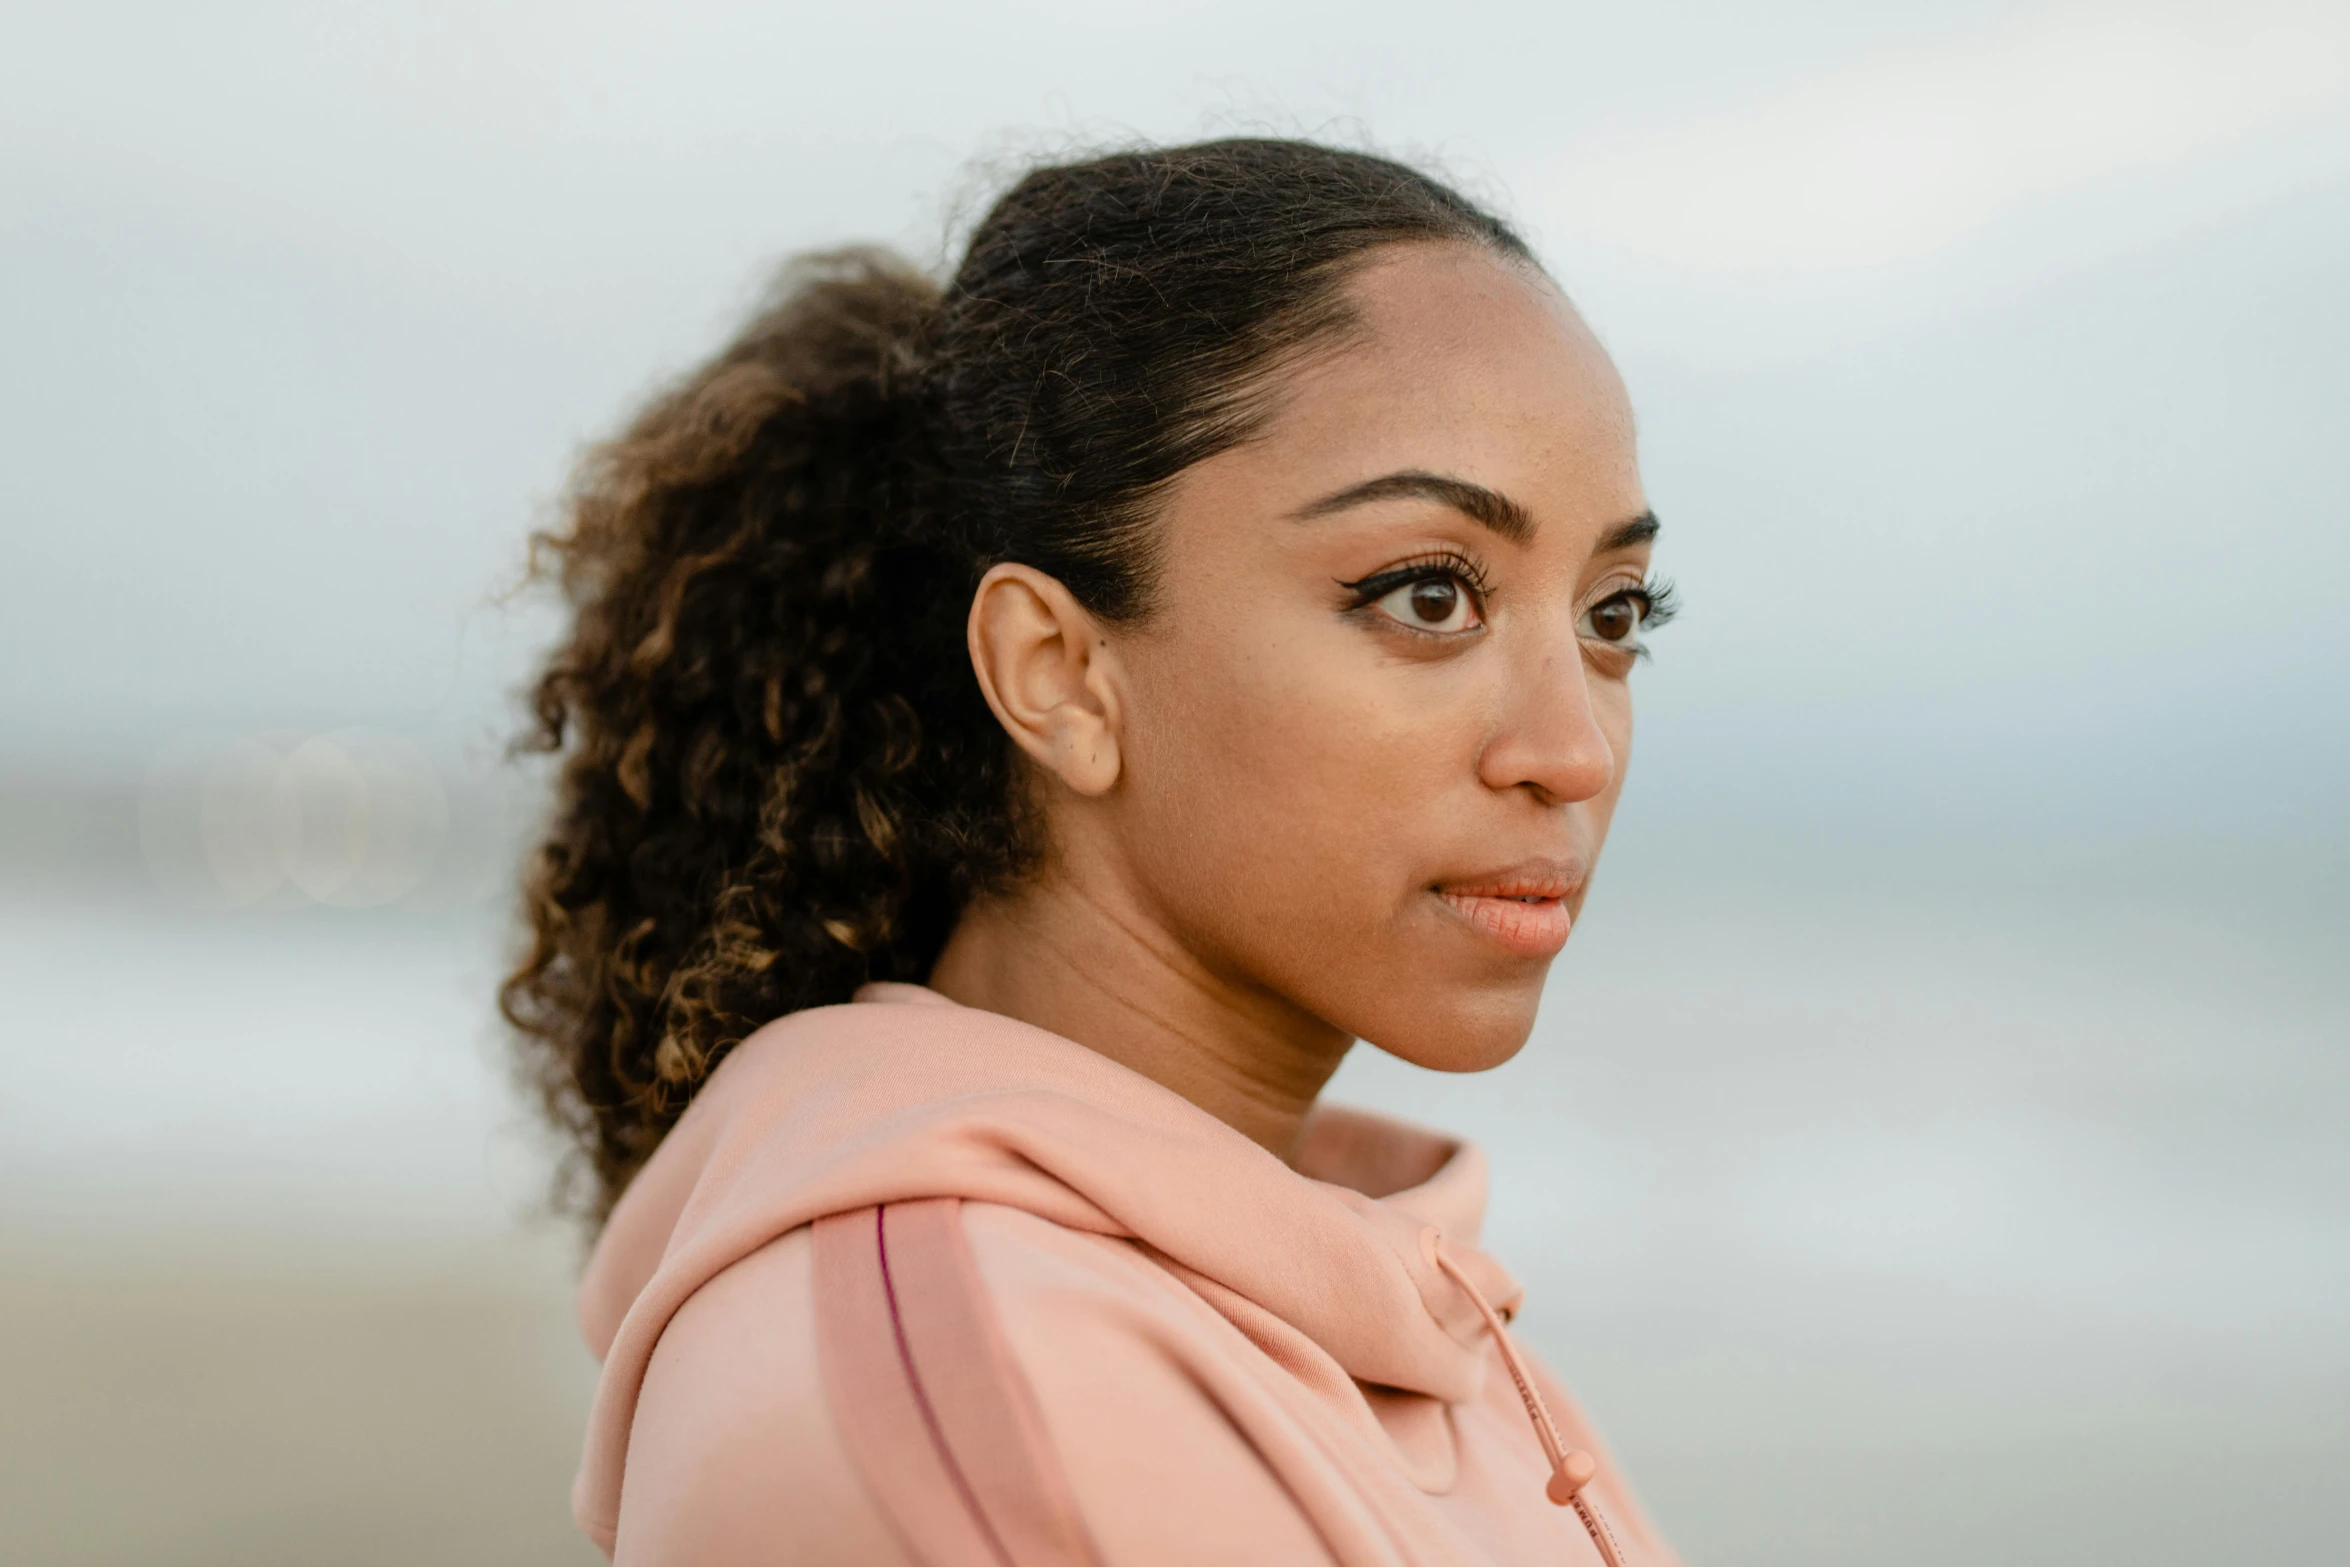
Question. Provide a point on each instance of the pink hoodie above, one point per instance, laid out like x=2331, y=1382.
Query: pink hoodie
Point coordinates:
x=1138, y=1338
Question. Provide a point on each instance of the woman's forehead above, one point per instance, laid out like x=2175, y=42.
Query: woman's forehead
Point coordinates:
x=1464, y=366
x=1450, y=340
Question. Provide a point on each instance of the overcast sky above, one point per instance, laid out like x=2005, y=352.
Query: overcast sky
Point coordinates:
x=1993, y=360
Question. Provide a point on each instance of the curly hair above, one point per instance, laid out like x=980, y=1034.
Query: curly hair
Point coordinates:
x=778, y=778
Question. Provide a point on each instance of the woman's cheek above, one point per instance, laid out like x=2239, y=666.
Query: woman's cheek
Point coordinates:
x=1313, y=773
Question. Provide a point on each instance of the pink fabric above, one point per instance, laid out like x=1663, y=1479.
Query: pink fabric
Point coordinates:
x=1234, y=1360
x=884, y=1412
x=930, y=1397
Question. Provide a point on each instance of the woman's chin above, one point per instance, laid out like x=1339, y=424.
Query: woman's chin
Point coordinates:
x=1469, y=1029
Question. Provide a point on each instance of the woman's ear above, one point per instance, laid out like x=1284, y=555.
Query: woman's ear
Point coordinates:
x=1049, y=674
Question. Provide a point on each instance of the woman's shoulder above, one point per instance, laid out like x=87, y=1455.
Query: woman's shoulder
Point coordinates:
x=1044, y=1372
x=733, y=1452
x=1142, y=1393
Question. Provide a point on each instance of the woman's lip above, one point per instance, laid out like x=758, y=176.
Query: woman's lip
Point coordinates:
x=1511, y=887
x=1523, y=906
x=1528, y=925
x=1535, y=877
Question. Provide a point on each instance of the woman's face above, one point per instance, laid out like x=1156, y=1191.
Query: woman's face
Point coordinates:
x=1378, y=718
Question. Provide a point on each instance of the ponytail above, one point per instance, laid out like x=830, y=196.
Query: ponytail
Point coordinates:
x=779, y=780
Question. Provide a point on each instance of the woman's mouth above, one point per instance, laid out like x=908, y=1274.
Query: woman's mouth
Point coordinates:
x=1525, y=912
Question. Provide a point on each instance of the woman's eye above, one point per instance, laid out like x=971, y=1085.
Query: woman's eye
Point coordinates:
x=1616, y=620
x=1432, y=604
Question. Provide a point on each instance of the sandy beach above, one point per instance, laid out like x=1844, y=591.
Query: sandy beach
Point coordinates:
x=264, y=1412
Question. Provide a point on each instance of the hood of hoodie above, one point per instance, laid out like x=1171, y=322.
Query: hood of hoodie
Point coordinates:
x=903, y=1094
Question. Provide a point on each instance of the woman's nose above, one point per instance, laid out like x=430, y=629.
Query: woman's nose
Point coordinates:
x=1551, y=740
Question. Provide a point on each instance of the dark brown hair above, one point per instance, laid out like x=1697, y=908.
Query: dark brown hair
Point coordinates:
x=778, y=778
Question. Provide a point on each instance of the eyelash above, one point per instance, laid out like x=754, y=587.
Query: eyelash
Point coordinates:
x=1664, y=601
x=1660, y=602
x=1426, y=568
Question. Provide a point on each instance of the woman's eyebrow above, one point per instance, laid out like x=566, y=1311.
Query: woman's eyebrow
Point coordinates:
x=1489, y=508
x=1627, y=534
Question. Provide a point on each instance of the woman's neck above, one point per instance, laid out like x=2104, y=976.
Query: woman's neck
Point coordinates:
x=1091, y=966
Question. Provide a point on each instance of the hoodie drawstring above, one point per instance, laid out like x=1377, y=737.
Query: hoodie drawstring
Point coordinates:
x=1570, y=1469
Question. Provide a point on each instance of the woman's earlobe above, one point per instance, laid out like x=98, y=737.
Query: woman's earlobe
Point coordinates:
x=1090, y=760
x=1048, y=675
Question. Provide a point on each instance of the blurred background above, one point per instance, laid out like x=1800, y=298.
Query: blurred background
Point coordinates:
x=1933, y=1147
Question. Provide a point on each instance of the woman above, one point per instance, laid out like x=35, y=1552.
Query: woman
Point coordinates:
x=1017, y=739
